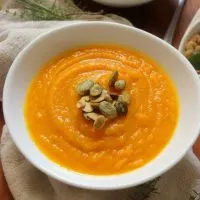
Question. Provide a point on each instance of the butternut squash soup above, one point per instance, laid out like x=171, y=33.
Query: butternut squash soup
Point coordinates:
x=66, y=132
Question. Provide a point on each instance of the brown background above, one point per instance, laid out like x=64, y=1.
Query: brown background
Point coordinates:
x=153, y=17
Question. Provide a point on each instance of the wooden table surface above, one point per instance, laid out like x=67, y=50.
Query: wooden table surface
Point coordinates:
x=153, y=17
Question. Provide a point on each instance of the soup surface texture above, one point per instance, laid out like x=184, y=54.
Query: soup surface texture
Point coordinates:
x=128, y=142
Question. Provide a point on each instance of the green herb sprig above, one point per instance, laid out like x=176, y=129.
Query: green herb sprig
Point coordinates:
x=43, y=10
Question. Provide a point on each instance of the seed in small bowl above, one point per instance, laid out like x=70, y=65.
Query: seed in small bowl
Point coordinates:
x=197, y=48
x=196, y=38
x=84, y=87
x=95, y=90
x=190, y=45
x=188, y=53
x=108, y=109
x=120, y=85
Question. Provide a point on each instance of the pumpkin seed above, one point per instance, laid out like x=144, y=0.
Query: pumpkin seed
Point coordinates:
x=107, y=109
x=88, y=108
x=99, y=122
x=121, y=107
x=104, y=96
x=85, y=98
x=120, y=85
x=99, y=99
x=84, y=87
x=95, y=90
x=108, y=97
x=114, y=103
x=114, y=96
x=113, y=78
x=94, y=105
x=81, y=103
x=125, y=97
x=102, y=101
x=90, y=116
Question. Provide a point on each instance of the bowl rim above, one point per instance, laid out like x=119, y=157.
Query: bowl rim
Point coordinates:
x=98, y=185
x=123, y=3
x=188, y=34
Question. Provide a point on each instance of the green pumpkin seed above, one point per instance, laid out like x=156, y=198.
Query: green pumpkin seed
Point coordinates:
x=108, y=109
x=81, y=103
x=121, y=107
x=95, y=105
x=113, y=79
x=102, y=101
x=114, y=96
x=108, y=98
x=90, y=116
x=125, y=97
x=95, y=90
x=99, y=122
x=120, y=85
x=88, y=108
x=114, y=102
x=104, y=96
x=84, y=87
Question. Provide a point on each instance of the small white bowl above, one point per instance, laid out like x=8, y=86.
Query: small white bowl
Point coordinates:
x=50, y=44
x=122, y=3
x=192, y=30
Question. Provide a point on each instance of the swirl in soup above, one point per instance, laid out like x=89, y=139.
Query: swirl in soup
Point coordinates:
x=124, y=143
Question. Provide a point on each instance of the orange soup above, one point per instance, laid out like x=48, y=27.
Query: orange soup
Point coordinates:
x=125, y=143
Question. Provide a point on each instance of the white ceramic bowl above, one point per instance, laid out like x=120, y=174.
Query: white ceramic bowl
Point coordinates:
x=122, y=3
x=192, y=30
x=38, y=52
